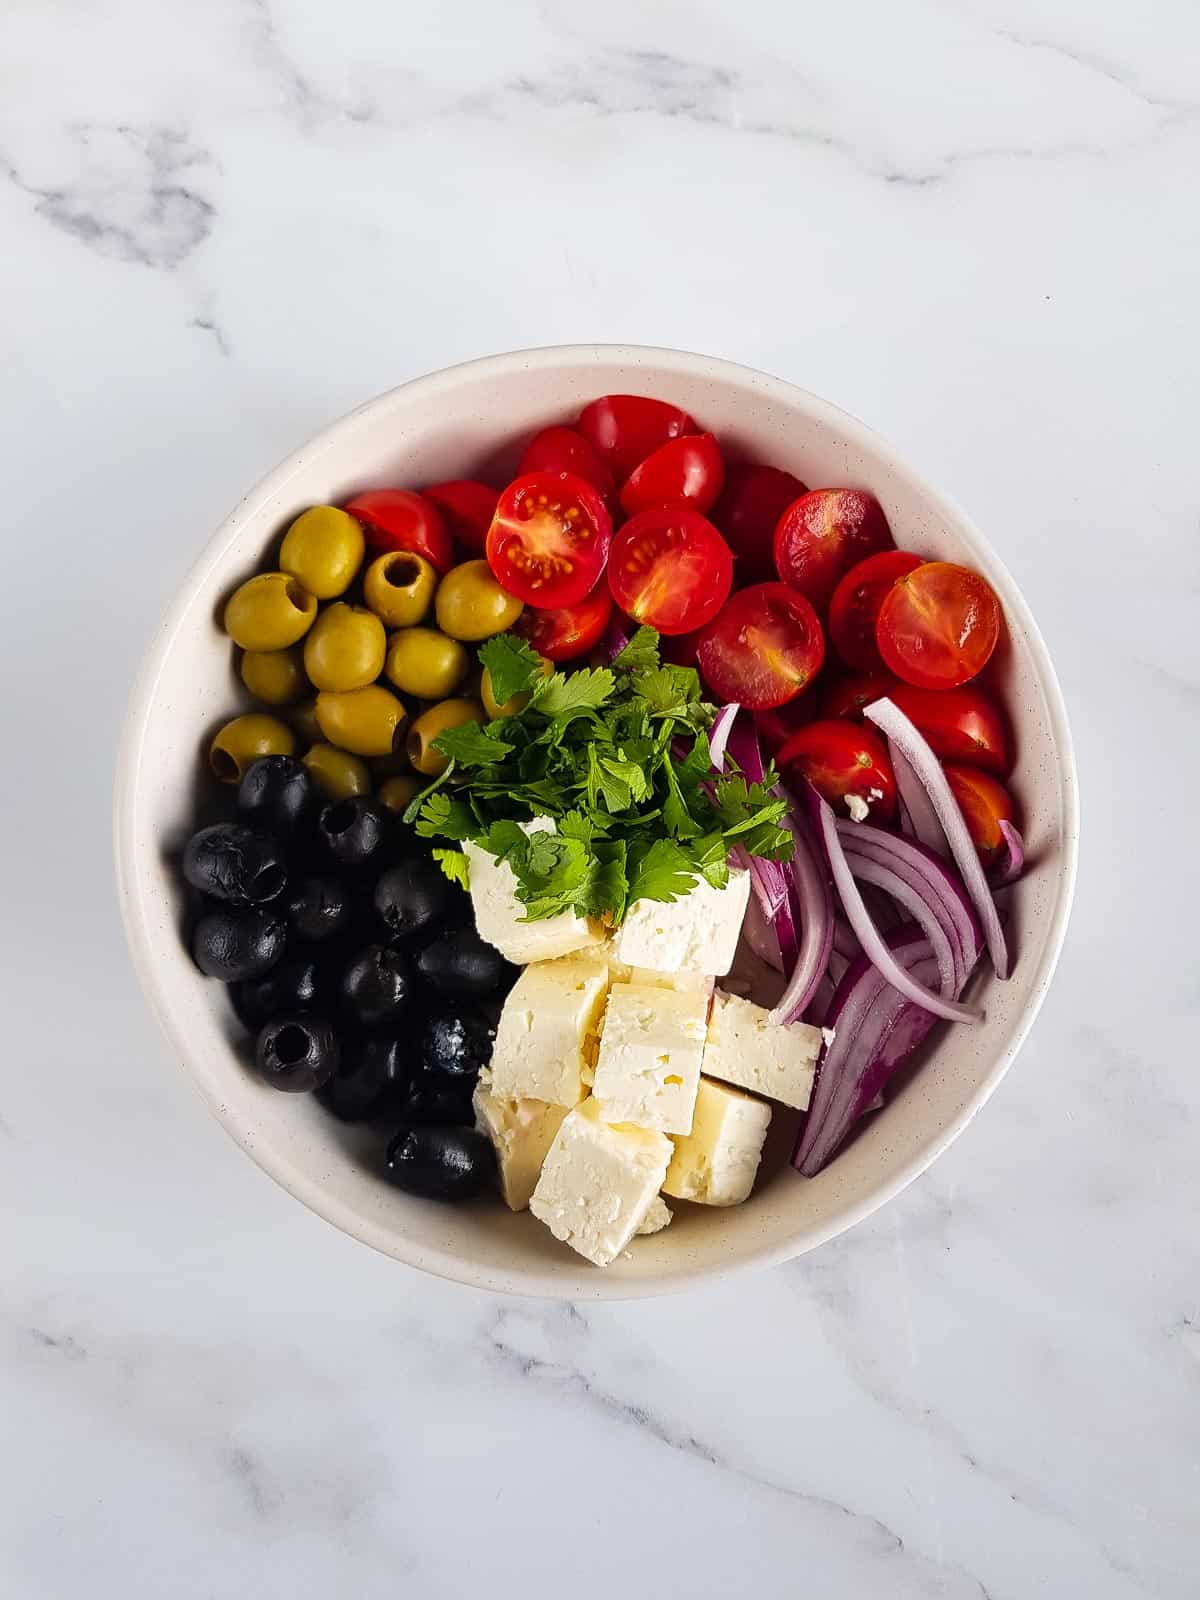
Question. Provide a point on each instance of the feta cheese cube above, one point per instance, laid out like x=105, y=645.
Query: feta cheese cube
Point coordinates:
x=684, y=982
x=499, y=913
x=658, y=1217
x=651, y=1045
x=716, y=1162
x=774, y=1059
x=697, y=933
x=599, y=1182
x=521, y=1132
x=545, y=1039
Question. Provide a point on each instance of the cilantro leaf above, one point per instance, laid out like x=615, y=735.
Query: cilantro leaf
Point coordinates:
x=641, y=653
x=442, y=817
x=697, y=764
x=454, y=864
x=470, y=746
x=668, y=691
x=660, y=871
x=417, y=802
x=584, y=690
x=712, y=859
x=676, y=816
x=512, y=665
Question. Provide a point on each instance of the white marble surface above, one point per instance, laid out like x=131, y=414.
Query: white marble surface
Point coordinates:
x=976, y=227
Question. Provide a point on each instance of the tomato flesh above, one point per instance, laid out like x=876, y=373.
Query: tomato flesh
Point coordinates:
x=670, y=569
x=984, y=804
x=762, y=648
x=688, y=469
x=398, y=519
x=855, y=605
x=843, y=758
x=467, y=509
x=751, y=504
x=938, y=625
x=549, y=539
x=571, y=630
x=823, y=534
x=564, y=450
x=624, y=428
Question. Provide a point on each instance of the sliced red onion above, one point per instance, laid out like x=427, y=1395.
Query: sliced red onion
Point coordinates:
x=813, y=903
x=770, y=880
x=845, y=940
x=718, y=734
x=818, y=1006
x=759, y=932
x=917, y=817
x=1011, y=864
x=744, y=747
x=908, y=743
x=614, y=641
x=929, y=916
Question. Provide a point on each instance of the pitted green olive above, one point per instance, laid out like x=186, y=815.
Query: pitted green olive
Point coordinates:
x=269, y=612
x=431, y=723
x=425, y=663
x=345, y=648
x=471, y=605
x=241, y=742
x=336, y=773
x=367, y=721
x=397, y=794
x=324, y=549
x=276, y=677
x=399, y=588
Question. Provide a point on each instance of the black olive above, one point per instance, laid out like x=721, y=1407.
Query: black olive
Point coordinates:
x=370, y=1081
x=278, y=793
x=232, y=862
x=441, y=1163
x=437, y=1098
x=461, y=963
x=455, y=1042
x=232, y=945
x=412, y=897
x=352, y=831
x=319, y=907
x=296, y=1053
x=376, y=987
x=293, y=984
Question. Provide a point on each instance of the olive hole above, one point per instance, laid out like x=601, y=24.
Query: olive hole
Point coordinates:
x=270, y=880
x=224, y=766
x=402, y=571
x=339, y=817
x=415, y=746
x=296, y=594
x=291, y=1045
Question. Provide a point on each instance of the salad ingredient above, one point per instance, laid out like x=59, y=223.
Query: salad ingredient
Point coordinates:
x=435, y=1101
x=440, y=1163
x=423, y=749
x=323, y=549
x=293, y=984
x=344, y=649
x=370, y=1080
x=938, y=626
x=232, y=943
x=1009, y=867
x=397, y=519
x=697, y=932
x=985, y=804
x=337, y=774
x=854, y=608
x=658, y=1216
x=846, y=697
x=762, y=648
x=547, y=1031
x=825, y=533
x=563, y=450
x=670, y=569
x=399, y=588
x=367, y=722
x=352, y=831
x=231, y=862
x=963, y=725
x=747, y=1048
x=471, y=605
x=277, y=793
x=500, y=913
x=718, y=737
x=716, y=1162
x=276, y=677
x=296, y=1053
x=455, y=1044
x=269, y=612
x=648, y=1065
x=624, y=429
x=425, y=663
x=521, y=1133
x=689, y=470
x=751, y=504
x=319, y=907
x=845, y=762
x=549, y=540
x=467, y=509
x=376, y=988
x=569, y=632
x=398, y=793
x=412, y=897
x=241, y=742
x=459, y=964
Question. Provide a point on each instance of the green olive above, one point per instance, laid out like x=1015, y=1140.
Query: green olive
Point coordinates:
x=324, y=549
x=424, y=662
x=367, y=721
x=514, y=703
x=470, y=603
x=276, y=677
x=345, y=648
x=336, y=773
x=397, y=794
x=269, y=612
x=240, y=743
x=399, y=587
x=431, y=723
x=303, y=719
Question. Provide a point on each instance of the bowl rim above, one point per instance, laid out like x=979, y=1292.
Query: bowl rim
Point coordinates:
x=444, y=1263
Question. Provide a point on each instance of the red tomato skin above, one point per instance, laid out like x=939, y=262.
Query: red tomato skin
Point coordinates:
x=510, y=562
x=679, y=649
x=570, y=631
x=776, y=726
x=938, y=625
x=726, y=654
x=964, y=725
x=683, y=600
x=846, y=697
x=623, y=429
x=467, y=509
x=984, y=803
x=840, y=758
x=748, y=512
x=398, y=519
x=564, y=450
x=854, y=608
x=688, y=469
x=823, y=534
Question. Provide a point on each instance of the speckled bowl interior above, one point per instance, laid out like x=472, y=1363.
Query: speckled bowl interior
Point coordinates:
x=467, y=421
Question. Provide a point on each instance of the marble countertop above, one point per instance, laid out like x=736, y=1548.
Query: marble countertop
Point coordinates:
x=973, y=226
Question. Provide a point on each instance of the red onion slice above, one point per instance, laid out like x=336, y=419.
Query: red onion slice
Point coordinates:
x=1011, y=864
x=814, y=911
x=614, y=641
x=718, y=734
x=928, y=915
x=928, y=872
x=744, y=747
x=917, y=817
x=759, y=932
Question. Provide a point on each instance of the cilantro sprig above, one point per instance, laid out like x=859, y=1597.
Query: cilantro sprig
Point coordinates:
x=618, y=758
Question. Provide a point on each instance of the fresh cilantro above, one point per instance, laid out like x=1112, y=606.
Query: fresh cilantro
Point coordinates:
x=416, y=804
x=454, y=864
x=668, y=691
x=472, y=746
x=449, y=819
x=660, y=871
x=584, y=690
x=640, y=654
x=512, y=665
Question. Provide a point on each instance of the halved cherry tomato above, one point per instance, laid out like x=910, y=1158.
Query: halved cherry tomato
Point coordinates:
x=679, y=649
x=963, y=725
x=670, y=568
x=625, y=428
x=467, y=509
x=823, y=534
x=571, y=630
x=549, y=539
x=840, y=759
x=856, y=602
x=846, y=697
x=762, y=648
x=938, y=626
x=564, y=450
x=775, y=727
x=397, y=519
x=751, y=504
x=984, y=804
x=688, y=469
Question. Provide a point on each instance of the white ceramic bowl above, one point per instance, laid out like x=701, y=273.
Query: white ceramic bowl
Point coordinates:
x=448, y=425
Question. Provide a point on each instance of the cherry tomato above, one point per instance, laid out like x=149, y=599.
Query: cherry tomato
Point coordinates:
x=751, y=504
x=964, y=725
x=823, y=534
x=670, y=568
x=397, y=519
x=841, y=758
x=938, y=626
x=846, y=697
x=625, y=428
x=571, y=630
x=762, y=648
x=687, y=469
x=564, y=450
x=984, y=804
x=856, y=602
x=679, y=649
x=549, y=539
x=775, y=727
x=467, y=509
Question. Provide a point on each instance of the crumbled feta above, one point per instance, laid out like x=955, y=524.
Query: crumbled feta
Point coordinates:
x=857, y=807
x=651, y=1046
x=499, y=913
x=829, y=1035
x=715, y=1164
x=658, y=1217
x=775, y=1059
x=545, y=1040
x=697, y=933
x=521, y=1132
